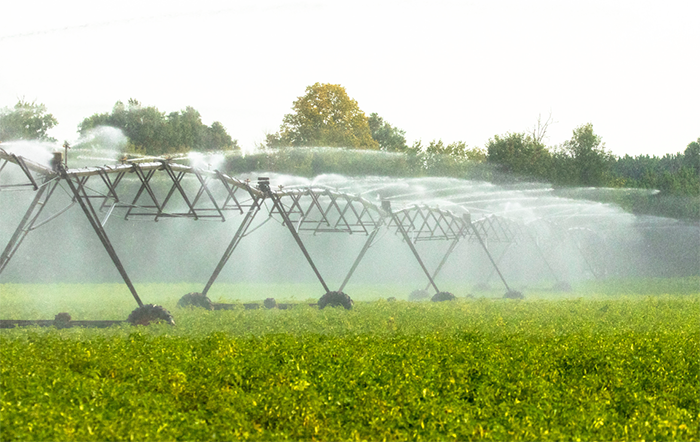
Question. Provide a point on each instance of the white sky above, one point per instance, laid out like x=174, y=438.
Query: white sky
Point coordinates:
x=462, y=70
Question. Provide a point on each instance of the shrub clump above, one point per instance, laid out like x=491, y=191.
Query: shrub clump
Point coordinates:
x=195, y=299
x=335, y=299
x=443, y=296
x=149, y=313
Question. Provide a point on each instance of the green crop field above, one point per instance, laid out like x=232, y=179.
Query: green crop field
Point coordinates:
x=609, y=361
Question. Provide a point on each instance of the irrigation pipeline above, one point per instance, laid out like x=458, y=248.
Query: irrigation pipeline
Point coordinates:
x=160, y=188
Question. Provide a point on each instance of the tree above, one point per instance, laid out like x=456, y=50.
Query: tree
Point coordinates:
x=584, y=159
x=440, y=159
x=325, y=116
x=150, y=131
x=26, y=121
x=691, y=156
x=390, y=139
x=519, y=154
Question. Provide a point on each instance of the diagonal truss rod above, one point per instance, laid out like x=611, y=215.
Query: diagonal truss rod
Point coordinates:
x=240, y=233
x=400, y=227
x=28, y=222
x=483, y=246
x=498, y=261
x=365, y=248
x=277, y=206
x=449, y=251
x=88, y=209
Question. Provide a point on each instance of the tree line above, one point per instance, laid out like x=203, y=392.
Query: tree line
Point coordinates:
x=325, y=116
x=148, y=130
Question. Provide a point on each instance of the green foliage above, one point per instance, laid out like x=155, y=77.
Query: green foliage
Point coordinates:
x=578, y=369
x=583, y=160
x=454, y=159
x=416, y=161
x=325, y=117
x=312, y=162
x=691, y=156
x=519, y=154
x=390, y=139
x=152, y=132
x=26, y=121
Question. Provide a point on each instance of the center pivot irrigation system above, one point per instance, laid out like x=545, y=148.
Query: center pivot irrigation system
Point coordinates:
x=153, y=189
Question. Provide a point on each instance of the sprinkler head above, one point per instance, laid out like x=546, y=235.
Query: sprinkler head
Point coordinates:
x=264, y=184
x=386, y=206
x=57, y=161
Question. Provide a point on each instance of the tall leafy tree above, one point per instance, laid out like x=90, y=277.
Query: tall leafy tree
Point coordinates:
x=390, y=139
x=26, y=121
x=438, y=158
x=519, y=154
x=324, y=116
x=691, y=156
x=583, y=160
x=151, y=131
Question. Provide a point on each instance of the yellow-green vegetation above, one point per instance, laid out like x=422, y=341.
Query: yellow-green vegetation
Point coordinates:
x=593, y=366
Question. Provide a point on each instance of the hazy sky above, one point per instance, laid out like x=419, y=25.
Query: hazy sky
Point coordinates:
x=463, y=70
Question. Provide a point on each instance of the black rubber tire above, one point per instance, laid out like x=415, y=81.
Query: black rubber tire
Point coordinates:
x=195, y=299
x=150, y=313
x=335, y=299
x=443, y=296
x=513, y=295
x=270, y=303
x=62, y=320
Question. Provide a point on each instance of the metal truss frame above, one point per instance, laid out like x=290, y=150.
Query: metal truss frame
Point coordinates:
x=499, y=229
x=110, y=193
x=159, y=188
x=424, y=223
x=305, y=210
x=321, y=210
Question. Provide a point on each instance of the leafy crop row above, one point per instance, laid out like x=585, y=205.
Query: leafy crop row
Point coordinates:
x=598, y=369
